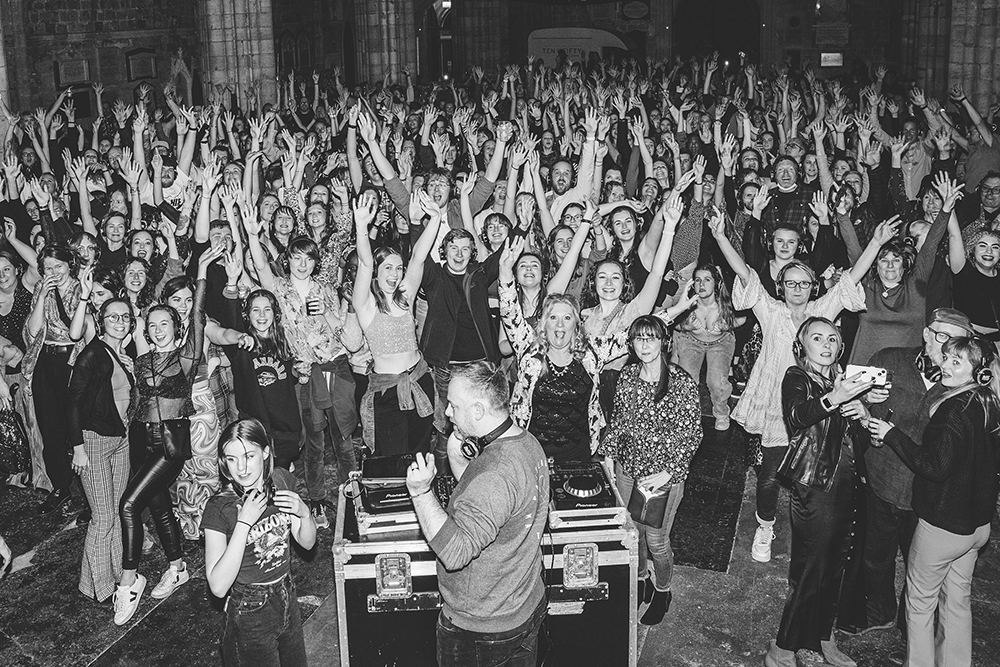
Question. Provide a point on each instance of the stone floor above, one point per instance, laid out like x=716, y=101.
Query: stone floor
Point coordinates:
x=724, y=611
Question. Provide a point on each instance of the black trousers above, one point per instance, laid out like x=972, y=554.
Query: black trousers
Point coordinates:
x=821, y=527
x=889, y=529
x=50, y=388
x=149, y=487
x=402, y=431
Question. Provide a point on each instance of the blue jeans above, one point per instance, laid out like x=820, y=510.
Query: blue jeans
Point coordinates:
x=513, y=648
x=263, y=627
x=341, y=418
x=691, y=353
x=654, y=543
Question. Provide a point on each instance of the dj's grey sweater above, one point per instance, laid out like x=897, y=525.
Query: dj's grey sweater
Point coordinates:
x=489, y=550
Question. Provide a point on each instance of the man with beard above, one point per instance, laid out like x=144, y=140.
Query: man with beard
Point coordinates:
x=561, y=174
x=488, y=539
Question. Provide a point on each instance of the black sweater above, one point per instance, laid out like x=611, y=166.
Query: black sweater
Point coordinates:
x=955, y=486
x=91, y=398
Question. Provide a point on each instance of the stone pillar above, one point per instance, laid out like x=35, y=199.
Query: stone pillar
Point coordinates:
x=386, y=38
x=481, y=33
x=923, y=44
x=974, y=49
x=238, y=46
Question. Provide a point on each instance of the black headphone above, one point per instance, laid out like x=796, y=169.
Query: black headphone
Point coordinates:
x=983, y=374
x=926, y=366
x=472, y=446
x=799, y=349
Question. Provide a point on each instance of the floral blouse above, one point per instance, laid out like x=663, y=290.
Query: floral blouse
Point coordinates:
x=646, y=438
x=523, y=338
x=310, y=336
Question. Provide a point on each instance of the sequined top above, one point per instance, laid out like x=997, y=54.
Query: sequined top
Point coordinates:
x=391, y=334
x=561, y=400
x=646, y=438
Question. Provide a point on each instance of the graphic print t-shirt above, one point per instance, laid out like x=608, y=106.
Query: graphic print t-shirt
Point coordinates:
x=266, y=557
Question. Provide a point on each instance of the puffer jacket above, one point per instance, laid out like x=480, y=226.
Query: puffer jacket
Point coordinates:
x=815, y=436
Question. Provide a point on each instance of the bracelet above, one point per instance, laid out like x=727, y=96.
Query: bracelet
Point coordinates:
x=352, y=127
x=921, y=106
x=415, y=495
x=84, y=301
x=245, y=523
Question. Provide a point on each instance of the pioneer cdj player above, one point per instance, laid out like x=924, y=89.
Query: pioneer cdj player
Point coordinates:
x=580, y=485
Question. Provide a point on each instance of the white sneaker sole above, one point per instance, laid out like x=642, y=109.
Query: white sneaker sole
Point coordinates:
x=759, y=558
x=135, y=607
x=182, y=579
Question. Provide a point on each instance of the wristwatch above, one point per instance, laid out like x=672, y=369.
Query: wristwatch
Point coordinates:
x=827, y=404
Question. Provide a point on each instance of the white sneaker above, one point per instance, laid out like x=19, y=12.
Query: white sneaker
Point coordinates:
x=761, y=550
x=319, y=514
x=127, y=600
x=169, y=582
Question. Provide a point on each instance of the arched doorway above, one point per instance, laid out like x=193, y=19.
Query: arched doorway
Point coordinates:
x=727, y=26
x=436, y=40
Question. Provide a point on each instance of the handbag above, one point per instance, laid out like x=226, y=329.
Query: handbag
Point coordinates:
x=173, y=436
x=648, y=508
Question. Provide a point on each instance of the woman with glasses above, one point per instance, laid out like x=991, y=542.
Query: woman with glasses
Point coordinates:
x=759, y=409
x=100, y=394
x=654, y=431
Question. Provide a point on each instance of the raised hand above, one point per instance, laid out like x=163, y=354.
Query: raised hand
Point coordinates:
x=886, y=230
x=365, y=207
x=819, y=206
x=949, y=190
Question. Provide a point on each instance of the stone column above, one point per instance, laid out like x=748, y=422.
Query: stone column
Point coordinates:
x=974, y=49
x=238, y=46
x=386, y=38
x=481, y=34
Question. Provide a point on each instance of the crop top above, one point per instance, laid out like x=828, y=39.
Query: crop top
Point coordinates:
x=391, y=334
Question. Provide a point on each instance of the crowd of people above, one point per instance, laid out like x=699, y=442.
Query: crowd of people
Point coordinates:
x=193, y=298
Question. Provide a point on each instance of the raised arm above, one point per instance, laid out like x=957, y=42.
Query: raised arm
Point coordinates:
x=423, y=246
x=672, y=210
x=885, y=231
x=717, y=225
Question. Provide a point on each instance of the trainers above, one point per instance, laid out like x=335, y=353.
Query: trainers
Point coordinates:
x=169, y=582
x=56, y=499
x=319, y=514
x=127, y=600
x=761, y=550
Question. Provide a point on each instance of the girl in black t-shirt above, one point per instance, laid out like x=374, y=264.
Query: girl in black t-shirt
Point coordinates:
x=247, y=555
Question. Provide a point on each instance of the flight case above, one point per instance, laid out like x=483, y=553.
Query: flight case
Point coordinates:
x=388, y=601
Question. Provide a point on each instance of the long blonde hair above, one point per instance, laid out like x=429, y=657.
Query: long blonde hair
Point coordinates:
x=578, y=343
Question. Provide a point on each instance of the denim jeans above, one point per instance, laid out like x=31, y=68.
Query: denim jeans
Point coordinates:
x=513, y=648
x=768, y=485
x=263, y=627
x=690, y=353
x=654, y=543
x=889, y=528
x=341, y=418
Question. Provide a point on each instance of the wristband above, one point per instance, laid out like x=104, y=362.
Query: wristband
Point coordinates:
x=921, y=106
x=245, y=523
x=84, y=300
x=416, y=495
x=352, y=127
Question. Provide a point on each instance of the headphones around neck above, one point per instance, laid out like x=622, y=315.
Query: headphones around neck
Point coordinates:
x=983, y=374
x=472, y=446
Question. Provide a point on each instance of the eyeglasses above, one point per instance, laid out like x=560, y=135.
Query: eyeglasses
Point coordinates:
x=797, y=284
x=990, y=191
x=940, y=336
x=645, y=339
x=115, y=318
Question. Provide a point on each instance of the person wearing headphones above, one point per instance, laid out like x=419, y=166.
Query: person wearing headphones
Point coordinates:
x=820, y=411
x=759, y=409
x=915, y=374
x=954, y=497
x=163, y=381
x=100, y=401
x=488, y=540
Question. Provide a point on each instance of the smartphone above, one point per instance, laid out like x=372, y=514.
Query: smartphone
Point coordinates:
x=878, y=376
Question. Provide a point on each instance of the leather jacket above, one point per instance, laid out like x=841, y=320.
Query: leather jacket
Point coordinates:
x=815, y=436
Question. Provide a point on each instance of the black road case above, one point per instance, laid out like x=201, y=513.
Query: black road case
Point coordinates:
x=388, y=602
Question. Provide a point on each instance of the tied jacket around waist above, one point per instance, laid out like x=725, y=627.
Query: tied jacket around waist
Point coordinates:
x=815, y=436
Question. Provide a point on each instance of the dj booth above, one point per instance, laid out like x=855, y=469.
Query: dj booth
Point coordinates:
x=386, y=577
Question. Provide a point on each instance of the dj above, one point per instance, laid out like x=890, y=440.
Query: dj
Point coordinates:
x=489, y=556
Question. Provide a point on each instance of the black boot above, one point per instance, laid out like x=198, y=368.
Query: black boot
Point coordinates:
x=647, y=594
x=640, y=595
x=658, y=607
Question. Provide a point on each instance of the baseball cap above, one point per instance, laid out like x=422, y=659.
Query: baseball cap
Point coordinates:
x=953, y=317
